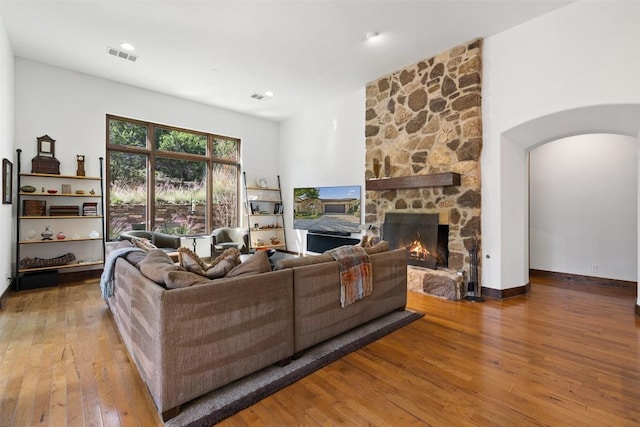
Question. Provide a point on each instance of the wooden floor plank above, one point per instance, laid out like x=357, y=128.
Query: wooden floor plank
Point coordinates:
x=565, y=354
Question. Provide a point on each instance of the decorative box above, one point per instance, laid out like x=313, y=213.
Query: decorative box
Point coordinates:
x=42, y=164
x=34, y=208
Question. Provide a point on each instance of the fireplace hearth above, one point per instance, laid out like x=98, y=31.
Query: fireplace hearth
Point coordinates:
x=425, y=240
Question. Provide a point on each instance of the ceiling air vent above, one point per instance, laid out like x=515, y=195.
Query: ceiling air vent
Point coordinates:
x=121, y=54
x=258, y=96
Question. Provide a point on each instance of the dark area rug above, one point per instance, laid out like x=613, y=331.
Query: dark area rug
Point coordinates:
x=226, y=401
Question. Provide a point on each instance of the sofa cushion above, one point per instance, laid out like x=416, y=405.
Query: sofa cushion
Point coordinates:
x=156, y=264
x=255, y=264
x=135, y=258
x=175, y=279
x=218, y=268
x=301, y=261
x=382, y=246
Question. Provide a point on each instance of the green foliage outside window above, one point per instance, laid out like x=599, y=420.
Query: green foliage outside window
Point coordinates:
x=179, y=181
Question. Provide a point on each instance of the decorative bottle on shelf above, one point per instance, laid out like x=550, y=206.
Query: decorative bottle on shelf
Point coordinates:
x=47, y=233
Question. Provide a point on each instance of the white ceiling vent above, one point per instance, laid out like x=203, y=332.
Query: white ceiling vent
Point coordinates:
x=258, y=96
x=121, y=54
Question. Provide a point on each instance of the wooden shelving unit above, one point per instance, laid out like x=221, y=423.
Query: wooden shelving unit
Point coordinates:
x=265, y=217
x=78, y=229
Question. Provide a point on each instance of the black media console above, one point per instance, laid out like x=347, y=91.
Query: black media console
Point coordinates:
x=319, y=243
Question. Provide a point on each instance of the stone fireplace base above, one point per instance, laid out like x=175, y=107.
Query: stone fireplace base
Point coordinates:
x=445, y=284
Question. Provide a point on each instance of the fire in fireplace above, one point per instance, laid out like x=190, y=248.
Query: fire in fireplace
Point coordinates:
x=425, y=240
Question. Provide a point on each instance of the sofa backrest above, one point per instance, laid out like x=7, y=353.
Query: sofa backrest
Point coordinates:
x=382, y=246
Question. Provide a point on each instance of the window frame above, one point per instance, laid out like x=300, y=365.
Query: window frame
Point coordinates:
x=152, y=153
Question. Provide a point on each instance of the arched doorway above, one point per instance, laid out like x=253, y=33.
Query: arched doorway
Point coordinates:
x=583, y=207
x=507, y=215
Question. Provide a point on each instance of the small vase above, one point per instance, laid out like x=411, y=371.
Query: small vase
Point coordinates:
x=60, y=236
x=47, y=233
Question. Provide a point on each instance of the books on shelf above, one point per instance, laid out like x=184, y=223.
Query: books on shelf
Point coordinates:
x=90, y=209
x=64, y=210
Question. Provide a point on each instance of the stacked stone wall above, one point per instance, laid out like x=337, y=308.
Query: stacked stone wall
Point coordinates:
x=427, y=118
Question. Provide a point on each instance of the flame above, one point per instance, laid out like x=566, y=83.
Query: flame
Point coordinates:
x=418, y=251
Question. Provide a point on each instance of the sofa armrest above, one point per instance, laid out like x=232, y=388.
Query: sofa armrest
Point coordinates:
x=237, y=325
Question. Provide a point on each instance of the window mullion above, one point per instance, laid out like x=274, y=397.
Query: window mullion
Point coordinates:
x=151, y=177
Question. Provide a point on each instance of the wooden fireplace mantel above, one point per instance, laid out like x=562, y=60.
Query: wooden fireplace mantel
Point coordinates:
x=415, y=181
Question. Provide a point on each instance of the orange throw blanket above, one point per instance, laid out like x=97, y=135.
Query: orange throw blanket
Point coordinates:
x=356, y=280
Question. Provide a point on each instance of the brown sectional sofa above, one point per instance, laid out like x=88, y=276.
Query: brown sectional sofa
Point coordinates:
x=189, y=341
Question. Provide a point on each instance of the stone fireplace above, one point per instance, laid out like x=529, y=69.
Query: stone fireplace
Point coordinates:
x=422, y=235
x=423, y=144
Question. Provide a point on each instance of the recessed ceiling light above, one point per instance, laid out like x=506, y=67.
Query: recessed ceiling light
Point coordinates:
x=127, y=46
x=371, y=35
x=260, y=96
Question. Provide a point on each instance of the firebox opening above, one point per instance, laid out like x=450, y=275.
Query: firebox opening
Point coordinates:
x=426, y=241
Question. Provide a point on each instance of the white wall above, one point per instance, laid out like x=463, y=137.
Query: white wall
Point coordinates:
x=583, y=206
x=6, y=152
x=323, y=146
x=71, y=107
x=566, y=73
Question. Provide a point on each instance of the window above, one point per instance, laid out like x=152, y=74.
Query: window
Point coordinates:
x=167, y=179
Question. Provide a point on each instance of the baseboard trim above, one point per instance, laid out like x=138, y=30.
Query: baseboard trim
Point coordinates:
x=3, y=297
x=585, y=279
x=506, y=293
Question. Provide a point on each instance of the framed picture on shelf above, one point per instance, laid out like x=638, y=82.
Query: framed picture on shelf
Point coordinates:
x=7, y=182
x=46, y=146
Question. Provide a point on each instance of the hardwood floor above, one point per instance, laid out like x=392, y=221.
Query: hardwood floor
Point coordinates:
x=564, y=355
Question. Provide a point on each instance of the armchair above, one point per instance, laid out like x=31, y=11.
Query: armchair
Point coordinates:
x=166, y=242
x=230, y=237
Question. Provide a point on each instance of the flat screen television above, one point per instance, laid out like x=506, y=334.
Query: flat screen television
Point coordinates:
x=329, y=210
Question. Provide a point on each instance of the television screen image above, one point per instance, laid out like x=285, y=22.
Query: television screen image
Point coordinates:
x=327, y=209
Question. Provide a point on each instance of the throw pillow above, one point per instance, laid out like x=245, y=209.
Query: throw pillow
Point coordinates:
x=218, y=268
x=255, y=264
x=191, y=261
x=143, y=244
x=156, y=264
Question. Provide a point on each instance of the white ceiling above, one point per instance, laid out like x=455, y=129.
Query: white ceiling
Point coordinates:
x=220, y=52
